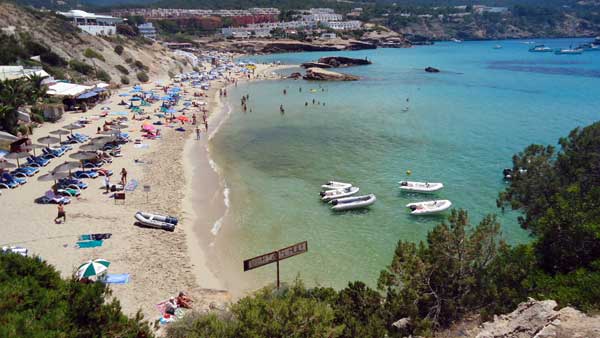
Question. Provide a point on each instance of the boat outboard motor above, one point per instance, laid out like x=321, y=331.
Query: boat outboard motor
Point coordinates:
x=334, y=202
x=171, y=220
x=322, y=193
x=404, y=183
x=413, y=207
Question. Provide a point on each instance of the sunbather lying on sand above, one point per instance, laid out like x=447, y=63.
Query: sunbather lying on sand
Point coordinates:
x=184, y=301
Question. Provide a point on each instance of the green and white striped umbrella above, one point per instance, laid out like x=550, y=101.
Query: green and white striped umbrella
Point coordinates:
x=92, y=268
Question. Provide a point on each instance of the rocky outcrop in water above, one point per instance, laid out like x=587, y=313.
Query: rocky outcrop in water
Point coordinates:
x=538, y=319
x=432, y=70
x=319, y=74
x=295, y=76
x=315, y=64
x=341, y=61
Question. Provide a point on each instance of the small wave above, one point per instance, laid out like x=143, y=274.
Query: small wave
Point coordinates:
x=217, y=226
x=226, y=196
x=227, y=112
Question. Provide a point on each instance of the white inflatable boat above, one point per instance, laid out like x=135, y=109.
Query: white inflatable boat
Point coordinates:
x=329, y=195
x=423, y=187
x=333, y=185
x=429, y=207
x=349, y=203
x=156, y=221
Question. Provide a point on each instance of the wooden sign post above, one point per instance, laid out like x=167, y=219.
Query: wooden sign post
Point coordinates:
x=276, y=256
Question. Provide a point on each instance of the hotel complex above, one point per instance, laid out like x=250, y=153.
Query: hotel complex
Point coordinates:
x=92, y=23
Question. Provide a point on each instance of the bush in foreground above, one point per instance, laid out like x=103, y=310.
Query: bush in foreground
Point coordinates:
x=142, y=76
x=36, y=302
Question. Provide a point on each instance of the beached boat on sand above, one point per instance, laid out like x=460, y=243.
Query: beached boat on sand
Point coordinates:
x=329, y=195
x=156, y=221
x=423, y=187
x=333, y=185
x=349, y=203
x=429, y=207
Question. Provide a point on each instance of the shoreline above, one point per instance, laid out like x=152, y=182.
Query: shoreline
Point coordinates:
x=210, y=202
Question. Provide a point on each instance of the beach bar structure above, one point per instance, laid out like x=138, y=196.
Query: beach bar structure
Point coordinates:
x=92, y=23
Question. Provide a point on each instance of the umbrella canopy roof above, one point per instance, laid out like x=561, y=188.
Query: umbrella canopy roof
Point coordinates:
x=135, y=98
x=7, y=137
x=48, y=140
x=33, y=146
x=73, y=126
x=68, y=165
x=7, y=165
x=123, y=94
x=92, y=268
x=102, y=139
x=59, y=132
x=51, y=177
x=92, y=146
x=183, y=118
x=83, y=155
x=120, y=126
x=14, y=156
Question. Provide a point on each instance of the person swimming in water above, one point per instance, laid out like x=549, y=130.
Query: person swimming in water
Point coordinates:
x=281, y=110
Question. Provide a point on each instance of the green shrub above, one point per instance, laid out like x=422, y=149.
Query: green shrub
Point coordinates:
x=52, y=59
x=81, y=67
x=36, y=302
x=129, y=60
x=103, y=76
x=124, y=80
x=142, y=76
x=171, y=74
x=122, y=69
x=92, y=54
x=138, y=64
x=119, y=49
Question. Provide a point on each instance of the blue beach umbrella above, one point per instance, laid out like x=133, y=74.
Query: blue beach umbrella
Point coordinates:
x=135, y=99
x=124, y=94
x=165, y=98
x=171, y=111
x=119, y=113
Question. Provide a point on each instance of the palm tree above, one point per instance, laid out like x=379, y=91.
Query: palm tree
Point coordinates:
x=37, y=88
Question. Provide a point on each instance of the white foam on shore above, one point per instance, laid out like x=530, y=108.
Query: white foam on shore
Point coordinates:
x=226, y=111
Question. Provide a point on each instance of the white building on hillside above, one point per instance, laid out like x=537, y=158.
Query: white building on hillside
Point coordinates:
x=92, y=23
x=344, y=25
x=147, y=30
x=322, y=17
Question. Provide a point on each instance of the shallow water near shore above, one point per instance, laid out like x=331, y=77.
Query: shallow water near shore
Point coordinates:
x=460, y=127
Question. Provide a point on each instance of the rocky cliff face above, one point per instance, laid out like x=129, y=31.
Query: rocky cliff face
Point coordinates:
x=539, y=319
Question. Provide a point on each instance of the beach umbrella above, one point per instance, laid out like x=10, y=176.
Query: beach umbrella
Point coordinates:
x=166, y=98
x=92, y=268
x=83, y=155
x=183, y=118
x=53, y=177
x=92, y=146
x=72, y=126
x=105, y=108
x=171, y=111
x=33, y=147
x=7, y=165
x=60, y=133
x=120, y=113
x=123, y=94
x=102, y=139
x=135, y=98
x=4, y=136
x=48, y=140
x=66, y=166
x=17, y=156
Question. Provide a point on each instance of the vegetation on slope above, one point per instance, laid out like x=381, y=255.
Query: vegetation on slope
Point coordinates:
x=36, y=302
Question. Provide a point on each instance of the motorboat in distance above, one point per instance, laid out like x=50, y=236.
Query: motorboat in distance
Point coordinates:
x=350, y=203
x=333, y=185
x=422, y=187
x=429, y=207
x=329, y=195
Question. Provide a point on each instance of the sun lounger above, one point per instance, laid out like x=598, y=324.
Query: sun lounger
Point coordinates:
x=25, y=171
x=10, y=179
x=69, y=192
x=89, y=244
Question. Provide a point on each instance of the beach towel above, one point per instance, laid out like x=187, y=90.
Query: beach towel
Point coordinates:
x=93, y=237
x=116, y=278
x=131, y=185
x=142, y=145
x=89, y=244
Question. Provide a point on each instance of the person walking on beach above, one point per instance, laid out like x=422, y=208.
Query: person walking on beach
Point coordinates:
x=107, y=183
x=194, y=119
x=123, y=177
x=206, y=125
x=197, y=132
x=61, y=214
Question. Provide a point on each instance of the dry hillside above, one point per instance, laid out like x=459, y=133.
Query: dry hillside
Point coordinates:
x=71, y=43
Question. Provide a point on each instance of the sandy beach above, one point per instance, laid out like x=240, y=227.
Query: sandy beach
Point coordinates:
x=183, y=184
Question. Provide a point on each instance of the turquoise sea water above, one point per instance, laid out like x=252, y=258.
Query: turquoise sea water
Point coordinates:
x=461, y=128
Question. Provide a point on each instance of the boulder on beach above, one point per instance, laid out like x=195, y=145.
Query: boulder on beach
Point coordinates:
x=432, y=70
x=342, y=61
x=319, y=74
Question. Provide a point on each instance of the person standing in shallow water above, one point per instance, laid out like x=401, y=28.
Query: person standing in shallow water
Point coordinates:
x=284, y=92
x=281, y=110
